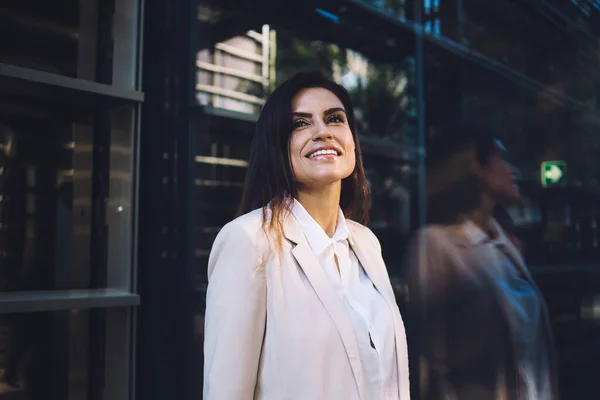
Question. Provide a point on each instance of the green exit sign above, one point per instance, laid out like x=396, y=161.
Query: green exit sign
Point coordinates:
x=553, y=173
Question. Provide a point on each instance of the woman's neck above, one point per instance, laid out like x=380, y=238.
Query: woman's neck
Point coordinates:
x=482, y=216
x=323, y=205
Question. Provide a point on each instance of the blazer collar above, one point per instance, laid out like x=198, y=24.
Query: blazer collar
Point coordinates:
x=309, y=263
x=372, y=262
x=292, y=230
x=468, y=234
x=316, y=236
x=367, y=255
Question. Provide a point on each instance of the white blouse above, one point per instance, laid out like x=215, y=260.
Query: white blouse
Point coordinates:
x=370, y=314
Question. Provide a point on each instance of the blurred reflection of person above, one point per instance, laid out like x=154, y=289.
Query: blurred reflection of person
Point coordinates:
x=299, y=303
x=504, y=219
x=481, y=323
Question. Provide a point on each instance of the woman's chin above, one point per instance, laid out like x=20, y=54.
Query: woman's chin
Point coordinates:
x=322, y=182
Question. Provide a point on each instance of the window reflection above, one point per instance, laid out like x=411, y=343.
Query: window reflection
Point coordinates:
x=533, y=85
x=75, y=38
x=45, y=356
x=46, y=198
x=380, y=92
x=234, y=74
x=392, y=189
x=219, y=173
x=383, y=93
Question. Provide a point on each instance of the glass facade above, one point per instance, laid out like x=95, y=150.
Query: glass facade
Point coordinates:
x=520, y=70
x=103, y=200
x=69, y=104
x=88, y=40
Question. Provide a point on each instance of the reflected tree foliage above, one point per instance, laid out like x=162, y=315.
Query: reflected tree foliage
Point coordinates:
x=381, y=102
x=378, y=91
x=295, y=55
x=381, y=99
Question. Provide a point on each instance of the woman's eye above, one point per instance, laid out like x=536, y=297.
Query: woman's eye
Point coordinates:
x=336, y=119
x=299, y=123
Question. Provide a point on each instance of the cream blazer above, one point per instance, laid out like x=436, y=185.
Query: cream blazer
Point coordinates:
x=275, y=329
x=462, y=315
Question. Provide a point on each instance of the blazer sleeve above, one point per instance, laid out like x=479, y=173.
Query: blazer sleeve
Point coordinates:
x=235, y=314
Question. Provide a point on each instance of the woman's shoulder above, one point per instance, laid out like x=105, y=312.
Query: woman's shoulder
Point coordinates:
x=249, y=224
x=437, y=238
x=438, y=231
x=252, y=218
x=359, y=230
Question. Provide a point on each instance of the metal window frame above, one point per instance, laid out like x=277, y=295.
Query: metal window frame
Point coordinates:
x=121, y=101
x=60, y=300
x=31, y=82
x=416, y=28
x=232, y=94
x=215, y=91
x=231, y=72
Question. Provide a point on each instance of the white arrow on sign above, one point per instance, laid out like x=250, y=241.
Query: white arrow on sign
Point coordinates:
x=553, y=173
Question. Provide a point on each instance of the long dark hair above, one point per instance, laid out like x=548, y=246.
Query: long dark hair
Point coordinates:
x=270, y=182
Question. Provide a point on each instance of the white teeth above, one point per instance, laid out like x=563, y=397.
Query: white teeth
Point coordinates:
x=322, y=152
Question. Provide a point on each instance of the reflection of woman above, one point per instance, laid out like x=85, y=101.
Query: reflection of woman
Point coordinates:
x=484, y=327
x=507, y=224
x=299, y=303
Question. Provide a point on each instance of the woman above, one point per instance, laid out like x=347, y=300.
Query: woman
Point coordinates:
x=505, y=220
x=299, y=303
x=481, y=321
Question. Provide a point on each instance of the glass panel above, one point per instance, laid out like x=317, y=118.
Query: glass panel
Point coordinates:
x=391, y=183
x=65, y=355
x=234, y=74
x=46, y=356
x=87, y=39
x=378, y=73
x=380, y=91
x=118, y=136
x=399, y=9
x=548, y=54
x=220, y=170
x=536, y=89
x=558, y=222
x=53, y=182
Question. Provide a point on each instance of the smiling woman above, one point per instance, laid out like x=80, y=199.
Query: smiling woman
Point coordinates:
x=313, y=316
x=322, y=147
x=302, y=115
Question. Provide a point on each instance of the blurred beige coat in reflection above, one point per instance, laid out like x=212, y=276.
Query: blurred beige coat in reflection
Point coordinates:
x=462, y=318
x=275, y=327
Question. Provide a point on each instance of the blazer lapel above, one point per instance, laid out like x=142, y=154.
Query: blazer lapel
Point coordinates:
x=513, y=255
x=368, y=259
x=326, y=293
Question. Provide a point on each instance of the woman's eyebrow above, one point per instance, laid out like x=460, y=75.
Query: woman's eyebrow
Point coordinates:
x=325, y=113
x=302, y=114
x=334, y=110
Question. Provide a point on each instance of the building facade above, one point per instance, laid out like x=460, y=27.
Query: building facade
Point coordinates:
x=70, y=104
x=125, y=127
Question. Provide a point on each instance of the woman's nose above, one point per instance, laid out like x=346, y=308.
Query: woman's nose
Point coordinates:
x=322, y=131
x=515, y=171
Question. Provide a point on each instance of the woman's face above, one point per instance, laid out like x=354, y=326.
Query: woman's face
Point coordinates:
x=500, y=180
x=321, y=145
